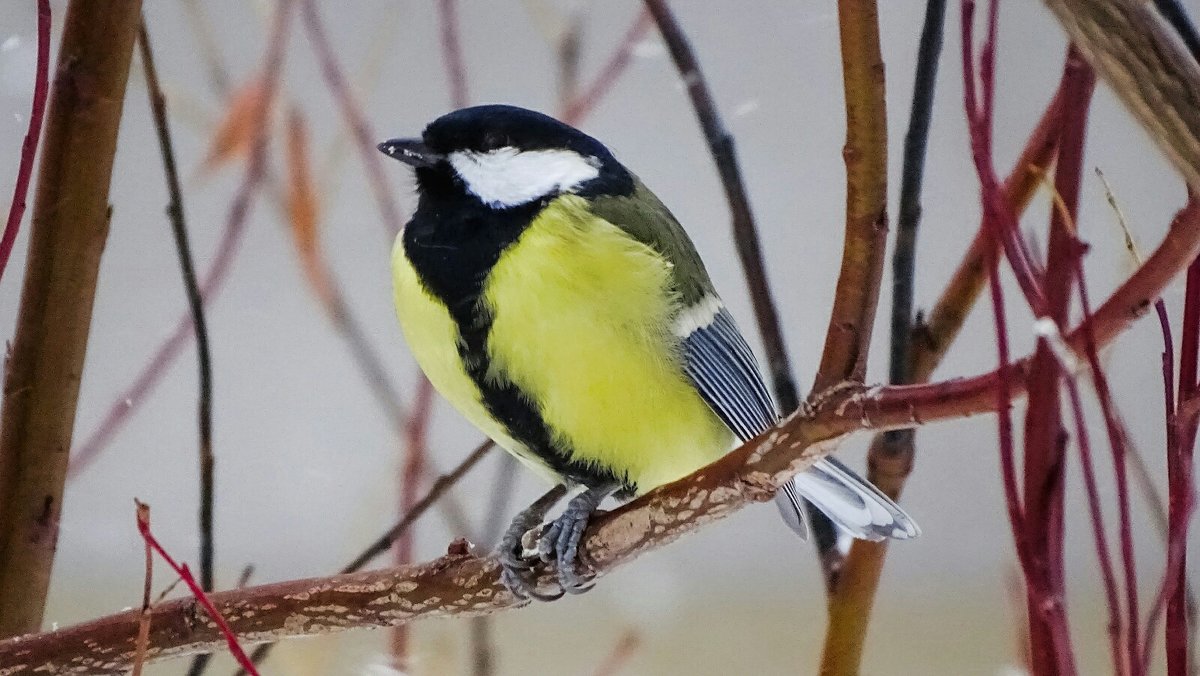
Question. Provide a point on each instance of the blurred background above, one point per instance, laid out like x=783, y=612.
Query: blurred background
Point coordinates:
x=308, y=465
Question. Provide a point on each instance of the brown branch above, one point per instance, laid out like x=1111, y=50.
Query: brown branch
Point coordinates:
x=1145, y=63
x=67, y=235
x=849, y=335
x=462, y=584
x=143, y=517
x=890, y=459
x=746, y=241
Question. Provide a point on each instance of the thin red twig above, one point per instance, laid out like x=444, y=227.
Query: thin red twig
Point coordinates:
x=37, y=111
x=998, y=215
x=1051, y=639
x=1003, y=393
x=1182, y=425
x=364, y=135
x=186, y=575
x=1070, y=166
x=452, y=54
x=1118, y=442
x=415, y=450
x=1111, y=597
x=214, y=278
x=586, y=101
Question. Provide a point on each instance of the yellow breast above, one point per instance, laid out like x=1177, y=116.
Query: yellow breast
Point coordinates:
x=583, y=321
x=582, y=324
x=432, y=337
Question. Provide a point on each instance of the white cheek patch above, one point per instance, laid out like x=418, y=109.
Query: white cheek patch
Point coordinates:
x=508, y=177
x=698, y=316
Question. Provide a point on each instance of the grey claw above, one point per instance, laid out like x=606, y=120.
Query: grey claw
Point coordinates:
x=567, y=546
x=512, y=561
x=516, y=584
x=517, y=573
x=554, y=596
x=559, y=543
x=547, y=548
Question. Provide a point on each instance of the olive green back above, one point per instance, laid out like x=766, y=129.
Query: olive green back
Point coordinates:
x=648, y=221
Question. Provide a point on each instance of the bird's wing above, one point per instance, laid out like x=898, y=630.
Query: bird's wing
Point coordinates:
x=724, y=371
x=721, y=366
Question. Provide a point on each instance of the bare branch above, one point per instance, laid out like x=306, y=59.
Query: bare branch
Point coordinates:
x=37, y=111
x=463, y=584
x=848, y=337
x=67, y=236
x=1147, y=65
x=158, y=106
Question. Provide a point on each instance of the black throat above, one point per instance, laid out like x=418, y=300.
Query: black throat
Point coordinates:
x=453, y=242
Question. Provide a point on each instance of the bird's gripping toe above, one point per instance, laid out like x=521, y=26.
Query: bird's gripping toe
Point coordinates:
x=557, y=545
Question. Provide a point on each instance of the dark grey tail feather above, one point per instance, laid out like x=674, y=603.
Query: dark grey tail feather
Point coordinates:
x=791, y=508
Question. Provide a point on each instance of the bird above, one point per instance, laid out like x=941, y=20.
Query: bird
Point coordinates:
x=554, y=300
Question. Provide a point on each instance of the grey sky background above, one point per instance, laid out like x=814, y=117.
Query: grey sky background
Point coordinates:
x=307, y=465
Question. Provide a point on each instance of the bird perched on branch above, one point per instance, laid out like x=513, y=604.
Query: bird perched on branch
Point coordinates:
x=554, y=300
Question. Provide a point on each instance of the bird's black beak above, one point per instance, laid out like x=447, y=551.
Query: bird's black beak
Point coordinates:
x=411, y=151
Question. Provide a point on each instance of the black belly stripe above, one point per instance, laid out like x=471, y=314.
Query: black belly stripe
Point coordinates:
x=453, y=248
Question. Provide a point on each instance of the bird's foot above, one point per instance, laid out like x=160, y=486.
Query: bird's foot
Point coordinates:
x=516, y=571
x=559, y=543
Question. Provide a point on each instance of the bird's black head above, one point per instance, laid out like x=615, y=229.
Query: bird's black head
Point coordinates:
x=504, y=156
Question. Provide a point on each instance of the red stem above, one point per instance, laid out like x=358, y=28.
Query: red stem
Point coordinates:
x=1117, y=440
x=186, y=575
x=1065, y=261
x=1172, y=433
x=452, y=55
x=610, y=73
x=356, y=120
x=1111, y=592
x=1003, y=392
x=411, y=472
x=37, y=110
x=1038, y=528
x=1179, y=478
x=997, y=213
x=1045, y=438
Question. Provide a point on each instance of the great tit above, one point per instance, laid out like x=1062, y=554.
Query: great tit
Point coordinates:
x=559, y=306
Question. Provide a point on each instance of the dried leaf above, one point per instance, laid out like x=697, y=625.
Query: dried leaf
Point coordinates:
x=235, y=133
x=303, y=211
